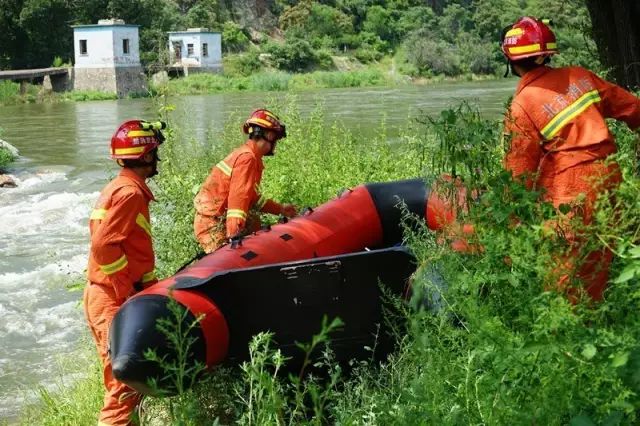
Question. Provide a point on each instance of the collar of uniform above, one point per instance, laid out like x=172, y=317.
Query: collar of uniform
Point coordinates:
x=253, y=146
x=532, y=75
x=130, y=174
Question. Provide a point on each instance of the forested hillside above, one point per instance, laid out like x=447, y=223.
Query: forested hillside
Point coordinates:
x=427, y=37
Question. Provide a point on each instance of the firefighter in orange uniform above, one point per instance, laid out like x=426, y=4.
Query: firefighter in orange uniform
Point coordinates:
x=121, y=260
x=560, y=142
x=227, y=202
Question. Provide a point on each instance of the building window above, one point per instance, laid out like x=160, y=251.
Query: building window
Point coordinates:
x=83, y=47
x=205, y=50
x=190, y=49
x=125, y=46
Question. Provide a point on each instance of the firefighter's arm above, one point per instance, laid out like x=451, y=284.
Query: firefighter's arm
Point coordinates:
x=241, y=192
x=618, y=103
x=267, y=205
x=523, y=145
x=106, y=242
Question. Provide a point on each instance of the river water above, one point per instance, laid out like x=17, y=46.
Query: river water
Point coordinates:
x=64, y=163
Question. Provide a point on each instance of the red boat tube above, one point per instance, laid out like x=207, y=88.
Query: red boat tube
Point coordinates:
x=367, y=217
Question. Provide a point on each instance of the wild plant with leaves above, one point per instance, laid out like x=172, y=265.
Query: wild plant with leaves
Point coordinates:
x=505, y=346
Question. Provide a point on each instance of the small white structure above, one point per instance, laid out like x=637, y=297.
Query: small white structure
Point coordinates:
x=107, y=58
x=195, y=50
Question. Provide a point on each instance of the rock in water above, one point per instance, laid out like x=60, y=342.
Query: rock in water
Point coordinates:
x=7, y=181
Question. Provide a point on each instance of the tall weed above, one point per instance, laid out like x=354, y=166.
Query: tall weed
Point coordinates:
x=504, y=348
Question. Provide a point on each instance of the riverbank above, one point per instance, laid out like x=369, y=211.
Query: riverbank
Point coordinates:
x=264, y=81
x=502, y=350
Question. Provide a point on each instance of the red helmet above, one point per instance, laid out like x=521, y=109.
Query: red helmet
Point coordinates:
x=266, y=120
x=527, y=38
x=135, y=138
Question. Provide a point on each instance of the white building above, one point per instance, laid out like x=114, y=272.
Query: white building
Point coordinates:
x=195, y=50
x=107, y=58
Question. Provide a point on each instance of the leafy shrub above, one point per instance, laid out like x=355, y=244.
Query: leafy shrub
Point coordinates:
x=8, y=91
x=59, y=62
x=325, y=20
x=324, y=60
x=6, y=158
x=380, y=23
x=367, y=54
x=294, y=55
x=330, y=79
x=233, y=37
x=242, y=64
x=432, y=57
x=480, y=58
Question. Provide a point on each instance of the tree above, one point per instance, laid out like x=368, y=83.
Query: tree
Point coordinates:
x=617, y=34
x=46, y=41
x=13, y=37
x=379, y=22
x=296, y=16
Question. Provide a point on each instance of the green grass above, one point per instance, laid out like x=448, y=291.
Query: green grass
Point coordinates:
x=85, y=95
x=72, y=401
x=278, y=81
x=10, y=94
x=8, y=90
x=502, y=350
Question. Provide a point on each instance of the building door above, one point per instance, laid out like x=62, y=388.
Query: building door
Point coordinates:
x=177, y=51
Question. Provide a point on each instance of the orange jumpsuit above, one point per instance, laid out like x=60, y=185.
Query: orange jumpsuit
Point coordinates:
x=121, y=258
x=559, y=141
x=228, y=194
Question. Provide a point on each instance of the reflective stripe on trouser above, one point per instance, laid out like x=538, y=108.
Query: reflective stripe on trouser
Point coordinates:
x=119, y=400
x=591, y=269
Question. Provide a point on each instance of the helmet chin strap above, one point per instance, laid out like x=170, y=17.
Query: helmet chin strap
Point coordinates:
x=154, y=164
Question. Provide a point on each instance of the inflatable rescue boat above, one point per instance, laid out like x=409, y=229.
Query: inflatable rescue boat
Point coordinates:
x=329, y=261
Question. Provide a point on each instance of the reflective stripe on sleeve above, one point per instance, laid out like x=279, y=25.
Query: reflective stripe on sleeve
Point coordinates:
x=224, y=167
x=98, y=214
x=114, y=267
x=569, y=113
x=149, y=276
x=237, y=213
x=143, y=223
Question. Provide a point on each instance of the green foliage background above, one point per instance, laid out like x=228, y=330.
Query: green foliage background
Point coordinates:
x=425, y=38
